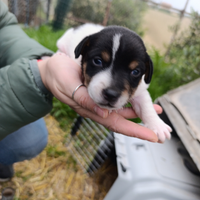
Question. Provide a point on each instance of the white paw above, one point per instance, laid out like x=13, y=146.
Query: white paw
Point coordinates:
x=161, y=129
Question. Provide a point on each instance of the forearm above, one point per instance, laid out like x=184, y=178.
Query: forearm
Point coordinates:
x=22, y=100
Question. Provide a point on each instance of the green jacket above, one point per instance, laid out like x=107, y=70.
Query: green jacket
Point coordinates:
x=23, y=97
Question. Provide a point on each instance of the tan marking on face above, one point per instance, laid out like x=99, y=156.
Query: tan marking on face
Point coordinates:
x=128, y=89
x=106, y=56
x=86, y=78
x=133, y=65
x=133, y=90
x=125, y=93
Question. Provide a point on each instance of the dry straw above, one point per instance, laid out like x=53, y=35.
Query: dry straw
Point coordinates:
x=54, y=174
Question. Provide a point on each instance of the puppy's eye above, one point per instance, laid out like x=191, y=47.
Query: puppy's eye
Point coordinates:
x=136, y=72
x=98, y=62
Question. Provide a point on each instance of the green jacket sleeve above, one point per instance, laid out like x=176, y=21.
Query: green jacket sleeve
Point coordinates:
x=21, y=99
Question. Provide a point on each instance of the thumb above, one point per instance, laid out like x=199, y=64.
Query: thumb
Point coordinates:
x=82, y=97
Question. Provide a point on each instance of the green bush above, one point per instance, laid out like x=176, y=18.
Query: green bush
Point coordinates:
x=164, y=76
x=126, y=13
x=184, y=56
x=91, y=10
x=183, y=63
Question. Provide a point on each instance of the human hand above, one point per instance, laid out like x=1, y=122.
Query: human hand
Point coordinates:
x=61, y=75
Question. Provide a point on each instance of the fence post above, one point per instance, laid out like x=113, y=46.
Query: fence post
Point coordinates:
x=27, y=12
x=60, y=13
x=176, y=29
x=105, y=21
x=48, y=10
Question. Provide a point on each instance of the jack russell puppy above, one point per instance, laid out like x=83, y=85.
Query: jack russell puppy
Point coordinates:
x=116, y=70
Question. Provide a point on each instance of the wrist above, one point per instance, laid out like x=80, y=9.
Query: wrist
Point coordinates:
x=34, y=66
x=42, y=68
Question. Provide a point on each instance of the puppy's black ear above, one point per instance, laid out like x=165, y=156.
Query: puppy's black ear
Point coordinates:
x=149, y=69
x=81, y=46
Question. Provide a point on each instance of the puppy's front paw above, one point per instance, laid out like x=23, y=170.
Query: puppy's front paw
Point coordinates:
x=161, y=129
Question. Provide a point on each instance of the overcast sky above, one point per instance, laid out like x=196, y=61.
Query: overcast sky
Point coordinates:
x=193, y=4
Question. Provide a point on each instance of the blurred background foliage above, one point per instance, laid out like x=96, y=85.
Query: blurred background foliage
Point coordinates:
x=130, y=16
x=88, y=10
x=122, y=12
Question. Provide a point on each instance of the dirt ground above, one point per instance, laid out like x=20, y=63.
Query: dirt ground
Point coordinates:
x=157, y=27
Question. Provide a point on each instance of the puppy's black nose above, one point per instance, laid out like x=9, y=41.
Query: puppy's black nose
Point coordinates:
x=110, y=95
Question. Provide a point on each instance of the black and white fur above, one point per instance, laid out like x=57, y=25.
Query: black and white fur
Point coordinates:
x=116, y=70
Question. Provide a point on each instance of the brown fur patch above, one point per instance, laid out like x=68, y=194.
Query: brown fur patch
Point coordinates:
x=133, y=65
x=134, y=89
x=106, y=56
x=128, y=90
x=85, y=76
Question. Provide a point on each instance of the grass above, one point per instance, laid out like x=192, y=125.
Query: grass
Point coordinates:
x=45, y=36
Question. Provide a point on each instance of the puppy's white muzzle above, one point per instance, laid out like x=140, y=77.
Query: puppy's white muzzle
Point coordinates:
x=101, y=92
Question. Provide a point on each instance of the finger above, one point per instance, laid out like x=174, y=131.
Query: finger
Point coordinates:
x=129, y=113
x=121, y=125
x=117, y=123
x=158, y=108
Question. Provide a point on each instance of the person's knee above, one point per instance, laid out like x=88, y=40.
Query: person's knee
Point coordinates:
x=34, y=149
x=24, y=144
x=36, y=141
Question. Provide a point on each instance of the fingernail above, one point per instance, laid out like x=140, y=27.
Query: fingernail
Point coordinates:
x=102, y=113
x=154, y=139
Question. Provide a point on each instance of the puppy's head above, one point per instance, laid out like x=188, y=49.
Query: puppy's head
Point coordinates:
x=114, y=61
